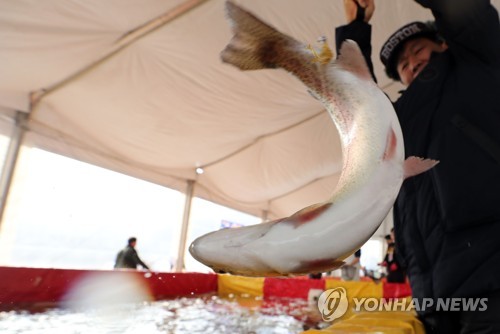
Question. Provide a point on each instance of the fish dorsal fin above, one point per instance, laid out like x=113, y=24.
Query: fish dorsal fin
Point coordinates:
x=351, y=59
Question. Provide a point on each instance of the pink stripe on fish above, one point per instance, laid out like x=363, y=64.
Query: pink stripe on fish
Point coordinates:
x=390, y=148
x=307, y=214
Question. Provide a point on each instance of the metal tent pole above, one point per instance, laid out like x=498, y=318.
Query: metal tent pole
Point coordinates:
x=9, y=166
x=179, y=265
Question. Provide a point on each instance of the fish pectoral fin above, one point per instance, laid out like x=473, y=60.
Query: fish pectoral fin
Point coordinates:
x=415, y=165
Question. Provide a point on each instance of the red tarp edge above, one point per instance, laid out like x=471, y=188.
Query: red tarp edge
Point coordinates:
x=41, y=285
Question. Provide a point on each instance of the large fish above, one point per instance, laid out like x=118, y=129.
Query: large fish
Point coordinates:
x=317, y=238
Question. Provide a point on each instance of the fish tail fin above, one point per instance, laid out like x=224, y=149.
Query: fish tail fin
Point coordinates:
x=254, y=44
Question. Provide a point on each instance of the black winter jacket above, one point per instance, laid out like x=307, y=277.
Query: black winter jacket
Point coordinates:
x=447, y=220
x=128, y=258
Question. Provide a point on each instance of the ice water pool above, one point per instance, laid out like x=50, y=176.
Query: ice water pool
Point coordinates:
x=207, y=314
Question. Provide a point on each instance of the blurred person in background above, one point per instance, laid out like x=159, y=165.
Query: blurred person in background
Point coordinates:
x=128, y=257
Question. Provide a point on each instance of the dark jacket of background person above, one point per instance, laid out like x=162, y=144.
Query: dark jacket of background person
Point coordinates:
x=128, y=258
x=447, y=220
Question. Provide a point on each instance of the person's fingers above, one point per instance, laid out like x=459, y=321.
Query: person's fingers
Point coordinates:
x=350, y=10
x=369, y=9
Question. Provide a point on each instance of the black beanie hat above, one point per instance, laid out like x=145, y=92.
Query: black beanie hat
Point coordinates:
x=393, y=45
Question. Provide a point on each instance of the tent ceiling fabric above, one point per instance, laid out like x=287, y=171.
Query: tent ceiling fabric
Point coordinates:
x=165, y=104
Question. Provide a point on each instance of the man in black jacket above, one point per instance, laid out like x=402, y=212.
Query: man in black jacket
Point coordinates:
x=447, y=220
x=128, y=257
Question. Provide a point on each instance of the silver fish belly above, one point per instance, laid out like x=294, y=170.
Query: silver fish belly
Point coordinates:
x=317, y=238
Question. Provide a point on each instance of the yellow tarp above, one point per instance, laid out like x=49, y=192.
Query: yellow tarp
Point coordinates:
x=240, y=286
x=356, y=290
x=360, y=321
x=376, y=323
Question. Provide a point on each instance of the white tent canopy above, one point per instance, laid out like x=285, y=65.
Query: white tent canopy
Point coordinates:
x=138, y=87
